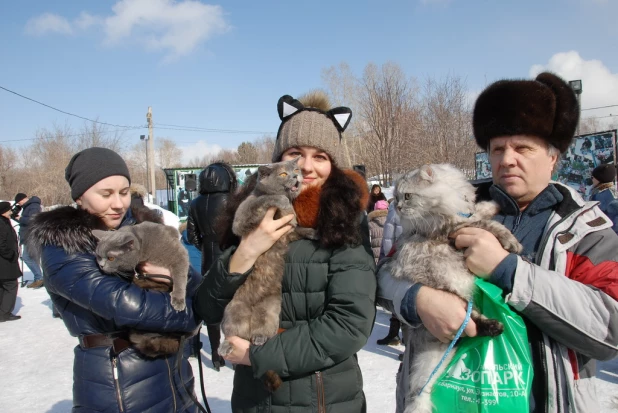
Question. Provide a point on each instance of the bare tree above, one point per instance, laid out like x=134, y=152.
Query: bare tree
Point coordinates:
x=247, y=153
x=168, y=154
x=446, y=134
x=8, y=173
x=265, y=147
x=386, y=108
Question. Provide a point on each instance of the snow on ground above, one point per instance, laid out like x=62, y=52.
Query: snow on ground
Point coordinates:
x=36, y=358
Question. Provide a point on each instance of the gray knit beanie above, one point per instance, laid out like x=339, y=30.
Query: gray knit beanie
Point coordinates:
x=89, y=166
x=312, y=125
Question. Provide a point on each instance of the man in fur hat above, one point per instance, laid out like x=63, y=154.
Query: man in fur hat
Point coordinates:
x=565, y=282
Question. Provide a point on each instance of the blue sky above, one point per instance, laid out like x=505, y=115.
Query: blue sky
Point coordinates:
x=224, y=65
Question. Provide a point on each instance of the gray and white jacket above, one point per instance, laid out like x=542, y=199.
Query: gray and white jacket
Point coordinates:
x=569, y=293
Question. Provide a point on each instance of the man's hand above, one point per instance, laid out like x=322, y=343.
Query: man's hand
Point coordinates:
x=442, y=313
x=483, y=250
x=240, y=354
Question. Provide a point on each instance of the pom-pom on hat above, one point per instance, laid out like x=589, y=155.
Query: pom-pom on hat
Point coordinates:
x=89, y=166
x=604, y=173
x=309, y=121
x=20, y=196
x=545, y=107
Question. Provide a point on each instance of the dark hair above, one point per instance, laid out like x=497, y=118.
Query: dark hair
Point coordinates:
x=223, y=223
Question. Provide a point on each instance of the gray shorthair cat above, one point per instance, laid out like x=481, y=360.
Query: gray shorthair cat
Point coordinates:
x=121, y=251
x=433, y=202
x=253, y=313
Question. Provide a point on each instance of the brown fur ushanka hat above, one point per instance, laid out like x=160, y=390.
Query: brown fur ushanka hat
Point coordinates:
x=545, y=107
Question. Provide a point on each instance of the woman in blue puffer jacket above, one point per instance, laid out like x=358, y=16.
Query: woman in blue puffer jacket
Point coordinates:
x=108, y=374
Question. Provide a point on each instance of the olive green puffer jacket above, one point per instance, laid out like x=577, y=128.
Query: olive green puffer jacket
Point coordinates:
x=328, y=310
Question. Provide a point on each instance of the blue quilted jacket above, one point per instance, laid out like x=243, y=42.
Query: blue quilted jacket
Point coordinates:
x=91, y=302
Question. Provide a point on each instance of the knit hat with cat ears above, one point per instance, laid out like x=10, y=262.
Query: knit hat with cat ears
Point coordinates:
x=545, y=107
x=312, y=123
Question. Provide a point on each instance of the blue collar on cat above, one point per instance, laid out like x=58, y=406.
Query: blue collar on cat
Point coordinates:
x=463, y=215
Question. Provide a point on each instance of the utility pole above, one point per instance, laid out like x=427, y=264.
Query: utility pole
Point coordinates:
x=150, y=157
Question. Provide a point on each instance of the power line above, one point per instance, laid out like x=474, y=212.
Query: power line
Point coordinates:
x=600, y=107
x=73, y=135
x=62, y=111
x=200, y=129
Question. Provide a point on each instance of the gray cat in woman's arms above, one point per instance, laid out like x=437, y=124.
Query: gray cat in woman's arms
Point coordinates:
x=123, y=250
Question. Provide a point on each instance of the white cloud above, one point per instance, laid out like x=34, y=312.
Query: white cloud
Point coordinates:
x=86, y=21
x=48, y=23
x=599, y=84
x=198, y=150
x=173, y=27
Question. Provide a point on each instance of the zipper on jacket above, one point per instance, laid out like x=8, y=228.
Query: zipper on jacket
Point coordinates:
x=320, y=392
x=117, y=383
x=517, y=222
x=169, y=370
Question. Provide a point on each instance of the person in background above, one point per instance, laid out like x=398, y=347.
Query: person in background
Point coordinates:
x=29, y=208
x=216, y=182
x=604, y=191
x=377, y=219
x=9, y=265
x=375, y=196
x=99, y=309
x=392, y=230
x=603, y=185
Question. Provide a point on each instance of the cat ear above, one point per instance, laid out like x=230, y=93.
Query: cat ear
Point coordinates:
x=287, y=106
x=128, y=245
x=264, y=171
x=98, y=234
x=427, y=173
x=342, y=117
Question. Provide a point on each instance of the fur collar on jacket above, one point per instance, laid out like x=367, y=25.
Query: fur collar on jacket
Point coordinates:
x=71, y=228
x=333, y=210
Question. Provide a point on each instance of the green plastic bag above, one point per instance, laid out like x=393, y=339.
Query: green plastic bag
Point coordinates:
x=488, y=374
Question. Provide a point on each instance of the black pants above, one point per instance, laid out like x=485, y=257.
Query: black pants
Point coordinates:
x=8, y=296
x=214, y=336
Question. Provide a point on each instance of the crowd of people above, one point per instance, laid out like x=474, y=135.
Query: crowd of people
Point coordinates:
x=564, y=284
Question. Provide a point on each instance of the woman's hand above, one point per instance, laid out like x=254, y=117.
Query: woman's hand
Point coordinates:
x=148, y=268
x=240, y=354
x=259, y=241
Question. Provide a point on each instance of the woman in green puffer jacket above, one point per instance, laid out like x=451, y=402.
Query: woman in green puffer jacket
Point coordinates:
x=328, y=288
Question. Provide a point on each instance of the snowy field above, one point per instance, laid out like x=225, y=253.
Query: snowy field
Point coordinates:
x=36, y=357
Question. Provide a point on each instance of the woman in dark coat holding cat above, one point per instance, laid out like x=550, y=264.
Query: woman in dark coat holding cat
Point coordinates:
x=108, y=374
x=328, y=286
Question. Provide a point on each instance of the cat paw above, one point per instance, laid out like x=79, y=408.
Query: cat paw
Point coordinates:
x=485, y=210
x=272, y=381
x=258, y=340
x=225, y=348
x=489, y=328
x=511, y=245
x=179, y=304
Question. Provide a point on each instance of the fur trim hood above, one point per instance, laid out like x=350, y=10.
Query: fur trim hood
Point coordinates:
x=545, y=107
x=71, y=228
x=334, y=209
x=377, y=214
